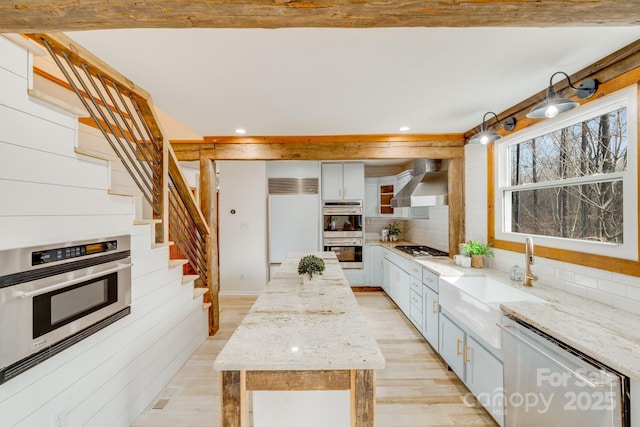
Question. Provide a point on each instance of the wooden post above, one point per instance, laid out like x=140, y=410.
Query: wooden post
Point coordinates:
x=234, y=399
x=363, y=398
x=209, y=208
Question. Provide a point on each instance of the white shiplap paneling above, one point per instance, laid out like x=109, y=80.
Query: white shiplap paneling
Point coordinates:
x=50, y=194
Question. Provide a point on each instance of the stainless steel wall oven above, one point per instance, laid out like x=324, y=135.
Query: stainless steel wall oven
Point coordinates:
x=53, y=296
x=343, y=231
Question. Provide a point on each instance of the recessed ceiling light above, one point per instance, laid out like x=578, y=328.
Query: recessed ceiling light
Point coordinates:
x=240, y=131
x=404, y=128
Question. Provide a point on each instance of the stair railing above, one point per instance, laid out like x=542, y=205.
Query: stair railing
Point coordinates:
x=125, y=116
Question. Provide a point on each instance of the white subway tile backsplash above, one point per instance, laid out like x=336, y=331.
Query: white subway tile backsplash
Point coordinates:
x=633, y=293
x=611, y=287
x=587, y=281
x=575, y=289
x=566, y=275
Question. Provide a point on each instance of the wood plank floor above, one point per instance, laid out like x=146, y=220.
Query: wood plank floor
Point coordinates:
x=415, y=389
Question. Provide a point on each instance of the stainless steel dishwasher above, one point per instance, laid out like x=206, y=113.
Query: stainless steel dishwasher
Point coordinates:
x=548, y=383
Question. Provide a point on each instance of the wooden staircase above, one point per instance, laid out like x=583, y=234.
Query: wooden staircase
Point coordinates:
x=142, y=163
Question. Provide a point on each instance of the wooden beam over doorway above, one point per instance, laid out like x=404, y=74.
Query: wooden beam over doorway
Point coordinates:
x=44, y=16
x=324, y=147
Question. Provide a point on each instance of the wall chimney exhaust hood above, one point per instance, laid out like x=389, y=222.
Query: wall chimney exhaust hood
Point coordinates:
x=428, y=185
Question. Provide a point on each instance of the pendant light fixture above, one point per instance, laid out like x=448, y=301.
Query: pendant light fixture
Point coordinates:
x=486, y=136
x=553, y=105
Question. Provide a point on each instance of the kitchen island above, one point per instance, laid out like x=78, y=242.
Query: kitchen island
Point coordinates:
x=301, y=337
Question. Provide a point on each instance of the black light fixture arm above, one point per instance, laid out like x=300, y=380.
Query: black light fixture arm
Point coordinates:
x=509, y=124
x=585, y=90
x=564, y=74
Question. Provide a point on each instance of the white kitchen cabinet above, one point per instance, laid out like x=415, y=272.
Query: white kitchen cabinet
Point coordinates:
x=452, y=345
x=386, y=191
x=373, y=265
x=484, y=377
x=355, y=276
x=479, y=369
x=430, y=308
x=415, y=298
x=386, y=275
x=400, y=289
x=342, y=181
x=370, y=197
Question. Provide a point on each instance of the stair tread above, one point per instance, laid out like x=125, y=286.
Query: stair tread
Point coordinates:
x=206, y=306
x=175, y=263
x=198, y=292
x=188, y=278
x=146, y=221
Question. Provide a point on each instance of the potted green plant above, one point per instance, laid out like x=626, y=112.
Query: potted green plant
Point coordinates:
x=477, y=251
x=310, y=265
x=394, y=230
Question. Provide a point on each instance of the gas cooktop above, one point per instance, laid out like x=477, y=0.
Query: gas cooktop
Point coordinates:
x=420, y=251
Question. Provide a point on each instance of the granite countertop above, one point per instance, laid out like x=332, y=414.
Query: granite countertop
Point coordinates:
x=303, y=327
x=605, y=333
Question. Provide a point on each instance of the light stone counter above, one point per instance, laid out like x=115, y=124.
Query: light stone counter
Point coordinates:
x=607, y=334
x=296, y=327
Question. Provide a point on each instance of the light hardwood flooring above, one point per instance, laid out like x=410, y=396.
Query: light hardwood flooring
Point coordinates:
x=415, y=388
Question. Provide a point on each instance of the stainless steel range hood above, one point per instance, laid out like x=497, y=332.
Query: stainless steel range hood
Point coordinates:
x=428, y=185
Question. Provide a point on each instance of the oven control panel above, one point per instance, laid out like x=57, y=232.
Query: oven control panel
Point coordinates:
x=61, y=254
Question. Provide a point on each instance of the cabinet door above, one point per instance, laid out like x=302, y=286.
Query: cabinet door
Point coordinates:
x=484, y=377
x=353, y=181
x=376, y=266
x=386, y=186
x=452, y=345
x=386, y=276
x=402, y=290
x=430, y=310
x=370, y=197
x=331, y=181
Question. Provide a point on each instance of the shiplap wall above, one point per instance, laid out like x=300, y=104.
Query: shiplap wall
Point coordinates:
x=49, y=193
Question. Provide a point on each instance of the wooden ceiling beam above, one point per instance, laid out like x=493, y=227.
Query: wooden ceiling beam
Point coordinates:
x=340, y=147
x=27, y=16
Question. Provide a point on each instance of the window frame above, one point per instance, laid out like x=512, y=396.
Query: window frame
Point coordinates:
x=563, y=248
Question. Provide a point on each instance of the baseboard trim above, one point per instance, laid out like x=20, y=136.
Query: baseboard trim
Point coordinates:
x=366, y=289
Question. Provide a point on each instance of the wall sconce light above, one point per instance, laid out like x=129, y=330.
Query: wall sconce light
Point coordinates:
x=553, y=105
x=486, y=136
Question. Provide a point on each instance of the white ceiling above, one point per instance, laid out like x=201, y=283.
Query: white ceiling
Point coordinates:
x=325, y=81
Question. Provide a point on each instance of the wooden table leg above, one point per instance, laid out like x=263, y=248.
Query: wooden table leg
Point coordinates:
x=363, y=398
x=234, y=399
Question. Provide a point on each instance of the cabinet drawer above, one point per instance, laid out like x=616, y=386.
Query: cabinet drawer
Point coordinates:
x=430, y=279
x=416, y=314
x=416, y=270
x=416, y=285
x=416, y=299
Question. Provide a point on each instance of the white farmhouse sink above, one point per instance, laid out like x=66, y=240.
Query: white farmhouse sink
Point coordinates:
x=476, y=302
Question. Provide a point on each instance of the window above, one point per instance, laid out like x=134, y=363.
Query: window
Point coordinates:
x=572, y=181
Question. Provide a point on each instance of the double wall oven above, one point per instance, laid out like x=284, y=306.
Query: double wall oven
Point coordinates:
x=343, y=231
x=55, y=295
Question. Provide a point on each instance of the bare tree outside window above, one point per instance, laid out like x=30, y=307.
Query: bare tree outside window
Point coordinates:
x=567, y=183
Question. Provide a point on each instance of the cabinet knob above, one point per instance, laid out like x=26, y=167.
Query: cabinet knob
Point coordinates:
x=466, y=354
x=458, y=342
x=434, y=307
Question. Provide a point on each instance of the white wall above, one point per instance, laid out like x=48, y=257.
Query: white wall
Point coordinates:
x=618, y=290
x=243, y=235
x=48, y=194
